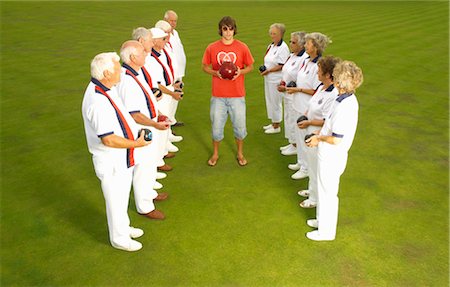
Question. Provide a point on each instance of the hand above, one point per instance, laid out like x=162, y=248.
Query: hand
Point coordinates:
x=281, y=88
x=218, y=74
x=140, y=142
x=238, y=73
x=312, y=141
x=291, y=90
x=304, y=124
x=178, y=85
x=266, y=72
x=177, y=96
x=161, y=126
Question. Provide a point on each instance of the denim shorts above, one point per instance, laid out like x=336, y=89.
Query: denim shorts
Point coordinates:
x=219, y=110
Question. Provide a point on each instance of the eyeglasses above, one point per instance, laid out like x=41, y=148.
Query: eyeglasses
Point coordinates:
x=225, y=28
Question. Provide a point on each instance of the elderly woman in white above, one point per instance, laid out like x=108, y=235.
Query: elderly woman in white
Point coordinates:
x=276, y=55
x=307, y=83
x=334, y=141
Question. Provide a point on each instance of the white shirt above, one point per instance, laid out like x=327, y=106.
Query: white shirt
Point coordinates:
x=307, y=78
x=292, y=65
x=341, y=122
x=100, y=120
x=277, y=54
x=180, y=56
x=159, y=74
x=320, y=104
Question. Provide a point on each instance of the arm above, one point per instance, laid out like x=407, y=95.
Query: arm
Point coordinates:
x=305, y=124
x=300, y=90
x=274, y=69
x=115, y=141
x=314, y=140
x=244, y=71
x=165, y=90
x=209, y=70
x=141, y=119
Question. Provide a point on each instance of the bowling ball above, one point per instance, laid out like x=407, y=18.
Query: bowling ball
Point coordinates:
x=291, y=84
x=157, y=92
x=262, y=68
x=179, y=91
x=227, y=70
x=302, y=118
x=162, y=118
x=148, y=134
x=308, y=136
x=283, y=83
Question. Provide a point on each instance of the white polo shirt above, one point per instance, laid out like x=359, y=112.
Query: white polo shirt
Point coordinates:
x=171, y=52
x=307, y=78
x=276, y=54
x=134, y=100
x=292, y=65
x=101, y=119
x=320, y=104
x=158, y=66
x=180, y=56
x=341, y=122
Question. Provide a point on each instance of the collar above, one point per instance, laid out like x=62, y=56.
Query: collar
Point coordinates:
x=98, y=83
x=301, y=53
x=316, y=58
x=342, y=97
x=130, y=69
x=156, y=52
x=330, y=88
x=279, y=43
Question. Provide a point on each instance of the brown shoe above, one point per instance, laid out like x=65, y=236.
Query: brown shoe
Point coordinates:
x=155, y=214
x=165, y=167
x=161, y=196
x=170, y=155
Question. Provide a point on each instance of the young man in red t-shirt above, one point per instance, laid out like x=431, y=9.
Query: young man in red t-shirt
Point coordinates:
x=228, y=96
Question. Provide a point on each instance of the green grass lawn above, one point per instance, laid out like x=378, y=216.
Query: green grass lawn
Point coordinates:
x=227, y=226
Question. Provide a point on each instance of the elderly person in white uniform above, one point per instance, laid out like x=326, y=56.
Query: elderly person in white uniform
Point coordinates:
x=318, y=109
x=334, y=142
x=307, y=83
x=141, y=104
x=289, y=76
x=276, y=55
x=110, y=133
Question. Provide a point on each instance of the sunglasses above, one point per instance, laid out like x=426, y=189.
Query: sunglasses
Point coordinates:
x=225, y=28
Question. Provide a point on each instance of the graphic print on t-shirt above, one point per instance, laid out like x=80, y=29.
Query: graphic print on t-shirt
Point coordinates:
x=226, y=57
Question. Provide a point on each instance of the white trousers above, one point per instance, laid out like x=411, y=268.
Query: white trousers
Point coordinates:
x=144, y=177
x=273, y=101
x=116, y=187
x=329, y=170
x=311, y=158
x=289, y=121
x=300, y=141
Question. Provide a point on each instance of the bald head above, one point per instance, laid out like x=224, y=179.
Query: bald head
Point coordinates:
x=133, y=53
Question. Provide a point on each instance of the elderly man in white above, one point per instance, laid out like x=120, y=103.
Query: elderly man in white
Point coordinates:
x=110, y=133
x=141, y=104
x=172, y=18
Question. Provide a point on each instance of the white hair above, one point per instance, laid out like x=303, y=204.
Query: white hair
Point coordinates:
x=280, y=26
x=163, y=25
x=141, y=32
x=167, y=14
x=128, y=48
x=300, y=36
x=103, y=62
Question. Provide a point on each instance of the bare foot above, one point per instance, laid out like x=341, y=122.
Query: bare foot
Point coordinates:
x=213, y=160
x=241, y=160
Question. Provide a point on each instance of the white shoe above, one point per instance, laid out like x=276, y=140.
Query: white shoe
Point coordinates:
x=304, y=193
x=312, y=223
x=136, y=232
x=285, y=147
x=174, y=139
x=300, y=174
x=271, y=130
x=132, y=245
x=171, y=147
x=267, y=127
x=308, y=203
x=157, y=186
x=316, y=236
x=160, y=175
x=292, y=150
x=294, y=166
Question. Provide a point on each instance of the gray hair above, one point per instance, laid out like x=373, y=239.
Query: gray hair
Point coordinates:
x=167, y=14
x=319, y=40
x=140, y=32
x=163, y=25
x=280, y=26
x=347, y=76
x=128, y=48
x=300, y=36
x=103, y=62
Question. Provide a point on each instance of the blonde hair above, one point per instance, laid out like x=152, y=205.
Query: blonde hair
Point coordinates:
x=319, y=40
x=347, y=76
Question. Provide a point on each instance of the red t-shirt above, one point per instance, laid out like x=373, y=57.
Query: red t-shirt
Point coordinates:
x=238, y=53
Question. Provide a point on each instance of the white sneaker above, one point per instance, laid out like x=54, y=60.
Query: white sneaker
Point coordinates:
x=160, y=175
x=171, y=147
x=308, y=203
x=300, y=174
x=132, y=245
x=271, y=130
x=157, y=186
x=285, y=147
x=174, y=139
x=136, y=232
x=316, y=236
x=267, y=127
x=294, y=166
x=292, y=150
x=312, y=223
x=304, y=193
